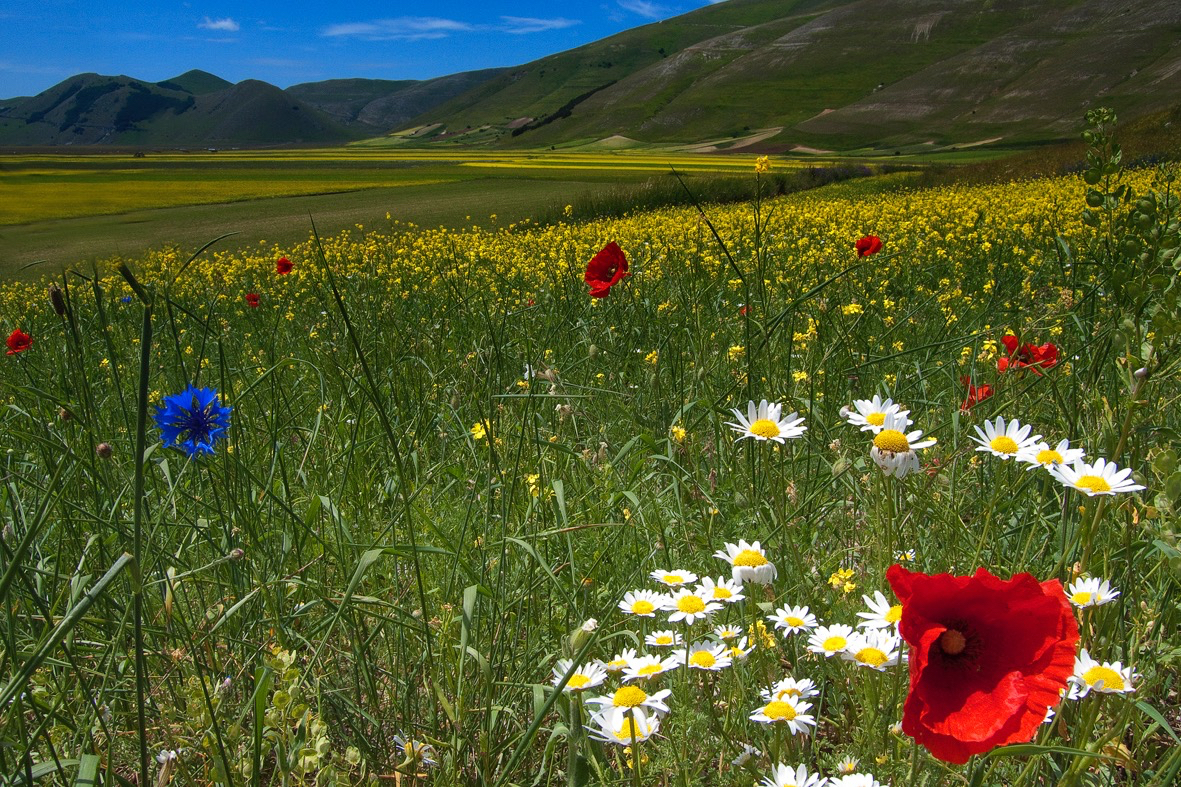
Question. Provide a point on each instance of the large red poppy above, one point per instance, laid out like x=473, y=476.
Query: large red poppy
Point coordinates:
x=1026, y=356
x=988, y=657
x=605, y=270
x=870, y=244
x=283, y=266
x=18, y=342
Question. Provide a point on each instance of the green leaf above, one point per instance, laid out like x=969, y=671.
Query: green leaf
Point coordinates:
x=1034, y=749
x=40, y=771
x=1156, y=716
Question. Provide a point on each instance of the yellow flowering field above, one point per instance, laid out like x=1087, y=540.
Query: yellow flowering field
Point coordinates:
x=863, y=485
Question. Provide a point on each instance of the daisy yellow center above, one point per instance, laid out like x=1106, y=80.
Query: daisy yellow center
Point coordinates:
x=727, y=633
x=690, y=605
x=892, y=440
x=649, y=669
x=875, y=419
x=751, y=558
x=1049, y=457
x=787, y=693
x=779, y=711
x=835, y=642
x=721, y=592
x=793, y=621
x=737, y=652
x=895, y=614
x=1112, y=680
x=1093, y=483
x=673, y=579
x=616, y=664
x=952, y=642
x=1082, y=597
x=703, y=658
x=577, y=681
x=629, y=697
x=1003, y=444
x=765, y=427
x=664, y=639
x=627, y=731
x=643, y=607
x=871, y=656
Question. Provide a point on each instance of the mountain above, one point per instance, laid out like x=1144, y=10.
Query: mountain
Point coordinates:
x=199, y=109
x=379, y=105
x=836, y=73
x=191, y=110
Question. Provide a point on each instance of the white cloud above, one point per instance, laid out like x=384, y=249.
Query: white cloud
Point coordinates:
x=643, y=8
x=519, y=25
x=406, y=28
x=227, y=24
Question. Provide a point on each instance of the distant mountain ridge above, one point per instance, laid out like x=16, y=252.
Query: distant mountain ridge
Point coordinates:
x=756, y=74
x=199, y=109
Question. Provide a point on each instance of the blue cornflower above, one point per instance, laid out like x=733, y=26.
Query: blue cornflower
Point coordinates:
x=125, y=299
x=193, y=420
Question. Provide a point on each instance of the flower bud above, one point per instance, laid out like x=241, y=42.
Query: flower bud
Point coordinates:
x=57, y=299
x=104, y=450
x=1141, y=373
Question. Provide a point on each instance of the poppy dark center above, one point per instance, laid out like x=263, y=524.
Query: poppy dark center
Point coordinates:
x=952, y=642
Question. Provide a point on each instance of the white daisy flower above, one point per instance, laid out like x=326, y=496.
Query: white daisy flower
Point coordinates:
x=1005, y=440
x=1108, y=677
x=854, y=780
x=803, y=688
x=1100, y=478
x=645, y=603
x=747, y=754
x=793, y=619
x=894, y=448
x=896, y=729
x=645, y=667
x=725, y=590
x=1090, y=592
x=634, y=697
x=763, y=423
x=847, y=765
x=707, y=656
x=874, y=648
x=620, y=662
x=687, y=606
x=1042, y=455
x=905, y=556
x=790, y=712
x=882, y=613
x=726, y=632
x=666, y=638
x=585, y=677
x=783, y=776
x=748, y=563
x=739, y=650
x=830, y=640
x=623, y=727
x=870, y=414
x=674, y=578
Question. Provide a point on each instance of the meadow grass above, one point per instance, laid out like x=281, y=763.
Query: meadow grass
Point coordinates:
x=445, y=459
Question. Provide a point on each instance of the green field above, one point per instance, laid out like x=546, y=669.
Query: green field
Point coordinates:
x=443, y=466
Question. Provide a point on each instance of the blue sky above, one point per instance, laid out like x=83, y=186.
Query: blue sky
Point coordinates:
x=289, y=42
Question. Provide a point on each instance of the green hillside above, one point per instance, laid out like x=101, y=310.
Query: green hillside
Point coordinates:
x=196, y=82
x=841, y=74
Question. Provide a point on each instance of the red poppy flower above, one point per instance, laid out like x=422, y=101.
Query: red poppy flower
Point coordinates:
x=870, y=244
x=252, y=300
x=1026, y=356
x=976, y=393
x=283, y=266
x=605, y=270
x=18, y=342
x=987, y=658
x=742, y=311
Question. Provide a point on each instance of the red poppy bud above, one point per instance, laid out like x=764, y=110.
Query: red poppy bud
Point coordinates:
x=252, y=300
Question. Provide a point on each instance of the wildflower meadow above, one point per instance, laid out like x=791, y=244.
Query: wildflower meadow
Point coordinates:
x=859, y=486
